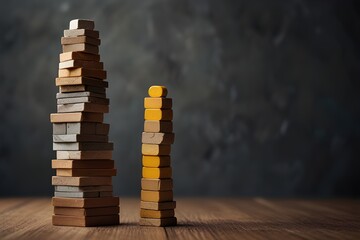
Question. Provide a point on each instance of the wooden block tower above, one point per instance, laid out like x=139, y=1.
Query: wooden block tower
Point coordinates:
x=84, y=165
x=157, y=205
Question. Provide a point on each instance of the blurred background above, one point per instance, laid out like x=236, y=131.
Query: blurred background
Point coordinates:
x=266, y=93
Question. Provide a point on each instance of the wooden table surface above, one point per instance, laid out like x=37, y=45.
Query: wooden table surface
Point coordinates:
x=199, y=218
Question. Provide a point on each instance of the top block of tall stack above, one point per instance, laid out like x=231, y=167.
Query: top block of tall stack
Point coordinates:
x=82, y=24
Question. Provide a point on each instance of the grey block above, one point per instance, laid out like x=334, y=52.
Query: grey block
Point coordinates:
x=83, y=107
x=94, y=146
x=59, y=128
x=81, y=128
x=102, y=128
x=96, y=100
x=79, y=138
x=77, y=194
x=80, y=94
x=83, y=189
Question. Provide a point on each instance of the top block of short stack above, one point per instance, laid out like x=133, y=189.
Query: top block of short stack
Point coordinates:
x=157, y=91
x=81, y=24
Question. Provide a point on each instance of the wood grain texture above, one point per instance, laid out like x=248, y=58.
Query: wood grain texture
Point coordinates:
x=198, y=218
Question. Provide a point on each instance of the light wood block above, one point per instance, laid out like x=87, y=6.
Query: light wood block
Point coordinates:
x=80, y=39
x=85, y=202
x=82, y=88
x=85, y=172
x=163, y=172
x=153, y=184
x=157, y=103
x=82, y=24
x=85, y=146
x=156, y=196
x=158, y=126
x=157, y=91
x=88, y=221
x=158, y=222
x=79, y=138
x=78, y=56
x=100, y=211
x=81, y=81
x=148, y=213
x=82, y=72
x=80, y=94
x=153, y=149
x=83, y=107
x=81, y=32
x=76, y=117
x=81, y=64
x=81, y=47
x=103, y=101
x=81, y=181
x=155, y=161
x=106, y=188
x=158, y=205
x=158, y=138
x=75, y=164
x=158, y=114
x=84, y=155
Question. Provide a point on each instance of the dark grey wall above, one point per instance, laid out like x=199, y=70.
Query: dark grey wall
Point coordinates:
x=266, y=93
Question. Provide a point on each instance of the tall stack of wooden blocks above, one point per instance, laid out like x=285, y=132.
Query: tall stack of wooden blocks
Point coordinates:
x=84, y=165
x=157, y=205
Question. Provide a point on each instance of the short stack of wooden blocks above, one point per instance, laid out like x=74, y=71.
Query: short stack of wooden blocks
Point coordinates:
x=157, y=205
x=84, y=165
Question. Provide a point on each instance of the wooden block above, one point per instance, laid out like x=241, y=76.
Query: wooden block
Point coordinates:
x=81, y=32
x=81, y=81
x=155, y=161
x=80, y=94
x=87, y=128
x=105, y=188
x=81, y=47
x=80, y=39
x=157, y=138
x=79, y=138
x=158, y=103
x=81, y=181
x=76, y=117
x=156, y=184
x=59, y=128
x=82, y=24
x=158, y=222
x=148, y=213
x=163, y=172
x=82, y=88
x=88, y=221
x=106, y=194
x=158, y=205
x=81, y=64
x=78, y=56
x=156, y=196
x=77, y=194
x=85, y=146
x=83, y=72
x=158, y=126
x=101, y=211
x=157, y=91
x=158, y=114
x=84, y=155
x=85, y=202
x=55, y=163
x=83, y=107
x=154, y=149
x=103, y=101
x=85, y=172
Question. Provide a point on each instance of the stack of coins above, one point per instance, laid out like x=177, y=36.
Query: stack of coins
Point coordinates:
x=157, y=205
x=84, y=169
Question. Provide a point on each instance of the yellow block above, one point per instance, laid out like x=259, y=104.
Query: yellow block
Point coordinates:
x=157, y=91
x=154, y=149
x=164, y=172
x=156, y=196
x=158, y=114
x=155, y=161
x=157, y=102
x=147, y=213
